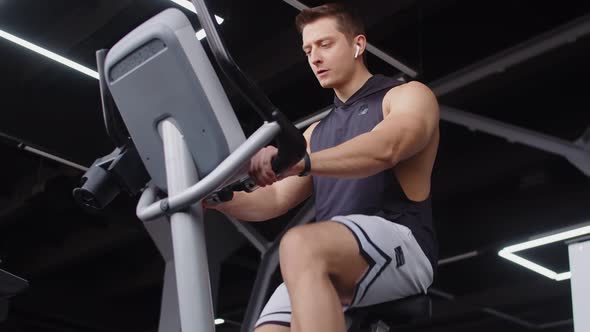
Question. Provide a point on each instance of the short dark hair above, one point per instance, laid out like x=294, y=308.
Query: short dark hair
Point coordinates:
x=347, y=21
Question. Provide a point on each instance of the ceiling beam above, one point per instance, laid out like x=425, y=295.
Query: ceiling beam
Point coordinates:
x=498, y=63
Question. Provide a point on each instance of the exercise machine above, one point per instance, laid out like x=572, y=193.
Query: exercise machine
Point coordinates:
x=178, y=142
x=176, y=129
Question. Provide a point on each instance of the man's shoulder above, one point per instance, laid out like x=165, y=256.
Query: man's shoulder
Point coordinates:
x=411, y=89
x=413, y=96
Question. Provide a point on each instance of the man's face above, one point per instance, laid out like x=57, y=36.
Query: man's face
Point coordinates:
x=329, y=52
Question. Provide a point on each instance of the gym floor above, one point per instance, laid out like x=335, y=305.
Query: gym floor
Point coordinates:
x=101, y=272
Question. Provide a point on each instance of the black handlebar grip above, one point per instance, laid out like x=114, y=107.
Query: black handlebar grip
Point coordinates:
x=291, y=144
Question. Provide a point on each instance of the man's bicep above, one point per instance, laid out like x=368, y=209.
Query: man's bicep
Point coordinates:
x=412, y=119
x=415, y=107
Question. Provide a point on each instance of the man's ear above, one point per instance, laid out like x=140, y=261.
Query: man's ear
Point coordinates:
x=360, y=41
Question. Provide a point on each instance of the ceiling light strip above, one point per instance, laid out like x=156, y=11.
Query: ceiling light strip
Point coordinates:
x=508, y=252
x=189, y=6
x=549, y=239
x=528, y=264
x=76, y=66
x=48, y=54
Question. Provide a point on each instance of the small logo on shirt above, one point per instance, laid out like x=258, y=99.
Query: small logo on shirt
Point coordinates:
x=399, y=257
x=364, y=109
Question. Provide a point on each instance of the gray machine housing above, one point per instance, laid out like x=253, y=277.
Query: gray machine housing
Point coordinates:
x=162, y=62
x=191, y=143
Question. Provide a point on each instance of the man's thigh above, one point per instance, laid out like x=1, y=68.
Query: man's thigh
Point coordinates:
x=272, y=328
x=337, y=247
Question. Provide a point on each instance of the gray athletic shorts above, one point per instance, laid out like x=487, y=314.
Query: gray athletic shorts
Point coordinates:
x=398, y=267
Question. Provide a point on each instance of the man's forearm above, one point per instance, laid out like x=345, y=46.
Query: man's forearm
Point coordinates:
x=362, y=156
x=259, y=205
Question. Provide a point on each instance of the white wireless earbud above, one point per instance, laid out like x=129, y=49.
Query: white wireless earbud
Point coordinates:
x=356, y=54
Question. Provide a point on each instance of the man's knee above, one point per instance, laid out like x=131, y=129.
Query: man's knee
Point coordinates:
x=300, y=251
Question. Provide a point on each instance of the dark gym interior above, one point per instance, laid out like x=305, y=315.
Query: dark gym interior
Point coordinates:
x=101, y=272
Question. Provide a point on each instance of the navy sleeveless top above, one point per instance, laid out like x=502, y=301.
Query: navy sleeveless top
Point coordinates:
x=379, y=194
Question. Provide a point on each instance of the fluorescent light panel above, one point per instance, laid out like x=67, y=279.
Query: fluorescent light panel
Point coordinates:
x=189, y=6
x=48, y=54
x=219, y=321
x=508, y=252
x=201, y=34
x=549, y=239
x=85, y=70
x=185, y=4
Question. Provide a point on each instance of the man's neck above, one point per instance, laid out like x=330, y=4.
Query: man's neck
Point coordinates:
x=359, y=78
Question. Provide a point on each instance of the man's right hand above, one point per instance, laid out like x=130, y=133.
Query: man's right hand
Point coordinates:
x=261, y=167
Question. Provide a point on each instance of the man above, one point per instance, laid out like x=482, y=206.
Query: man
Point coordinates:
x=369, y=164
